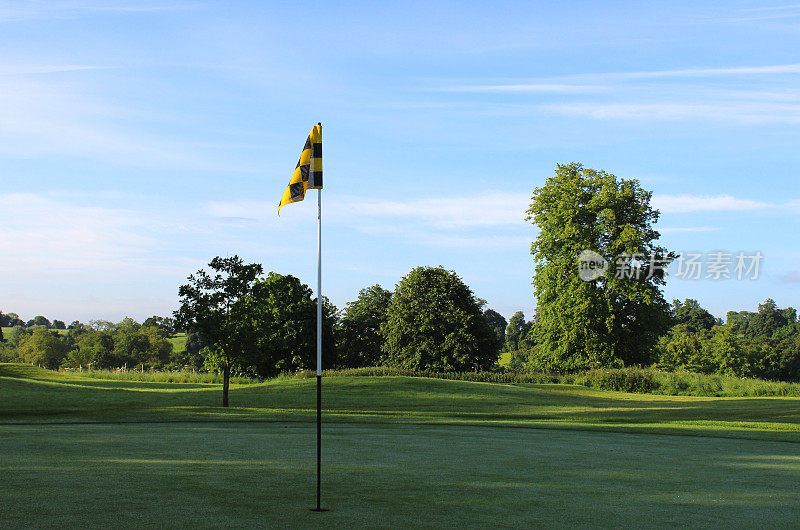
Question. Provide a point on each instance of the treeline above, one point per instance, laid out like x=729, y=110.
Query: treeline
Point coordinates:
x=764, y=344
x=99, y=344
x=431, y=321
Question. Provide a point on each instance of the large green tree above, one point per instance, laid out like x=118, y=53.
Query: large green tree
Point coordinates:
x=435, y=322
x=498, y=323
x=43, y=348
x=360, y=340
x=617, y=317
x=284, y=315
x=217, y=305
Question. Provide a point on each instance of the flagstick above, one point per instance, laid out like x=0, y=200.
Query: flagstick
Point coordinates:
x=319, y=347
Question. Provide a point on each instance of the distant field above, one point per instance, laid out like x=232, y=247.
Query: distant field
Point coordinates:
x=398, y=451
x=178, y=342
x=7, y=329
x=505, y=358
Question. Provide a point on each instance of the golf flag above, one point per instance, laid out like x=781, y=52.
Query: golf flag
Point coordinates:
x=308, y=172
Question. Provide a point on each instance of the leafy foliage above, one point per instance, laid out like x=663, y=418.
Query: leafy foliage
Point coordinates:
x=359, y=341
x=285, y=321
x=217, y=305
x=617, y=318
x=435, y=323
x=43, y=347
x=498, y=323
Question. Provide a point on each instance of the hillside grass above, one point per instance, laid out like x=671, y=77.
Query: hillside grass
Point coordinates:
x=30, y=394
x=6, y=330
x=178, y=342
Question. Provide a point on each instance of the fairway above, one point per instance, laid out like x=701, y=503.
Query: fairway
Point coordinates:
x=262, y=474
x=400, y=451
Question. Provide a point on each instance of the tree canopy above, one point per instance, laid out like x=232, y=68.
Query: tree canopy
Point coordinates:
x=615, y=318
x=435, y=323
x=284, y=314
x=360, y=339
x=216, y=304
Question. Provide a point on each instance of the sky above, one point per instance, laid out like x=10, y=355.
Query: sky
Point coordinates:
x=139, y=139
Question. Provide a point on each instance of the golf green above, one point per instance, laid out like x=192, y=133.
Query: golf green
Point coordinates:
x=262, y=474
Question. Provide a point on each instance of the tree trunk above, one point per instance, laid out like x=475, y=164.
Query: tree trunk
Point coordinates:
x=226, y=375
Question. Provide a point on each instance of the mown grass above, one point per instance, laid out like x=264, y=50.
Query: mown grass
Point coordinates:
x=397, y=451
x=246, y=475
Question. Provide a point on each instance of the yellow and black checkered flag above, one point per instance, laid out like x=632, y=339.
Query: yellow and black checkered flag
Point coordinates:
x=308, y=173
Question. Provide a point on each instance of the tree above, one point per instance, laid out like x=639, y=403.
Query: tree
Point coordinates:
x=516, y=330
x=135, y=344
x=359, y=343
x=14, y=320
x=5, y=320
x=16, y=335
x=692, y=315
x=43, y=348
x=617, y=317
x=59, y=324
x=217, y=306
x=165, y=324
x=93, y=347
x=435, y=323
x=39, y=320
x=517, y=339
x=285, y=319
x=498, y=323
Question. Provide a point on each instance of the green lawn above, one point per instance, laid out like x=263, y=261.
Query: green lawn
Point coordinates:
x=398, y=451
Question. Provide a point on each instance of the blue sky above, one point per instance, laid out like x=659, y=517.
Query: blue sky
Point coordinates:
x=140, y=139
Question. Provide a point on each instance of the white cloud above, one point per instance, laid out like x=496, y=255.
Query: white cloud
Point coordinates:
x=46, y=236
x=701, y=203
x=491, y=208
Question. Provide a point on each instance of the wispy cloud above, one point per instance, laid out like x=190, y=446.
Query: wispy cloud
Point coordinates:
x=688, y=229
x=704, y=203
x=45, y=115
x=745, y=94
x=42, y=235
x=469, y=221
x=490, y=208
x=15, y=11
x=791, y=277
x=790, y=68
x=16, y=69
x=527, y=88
x=741, y=111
